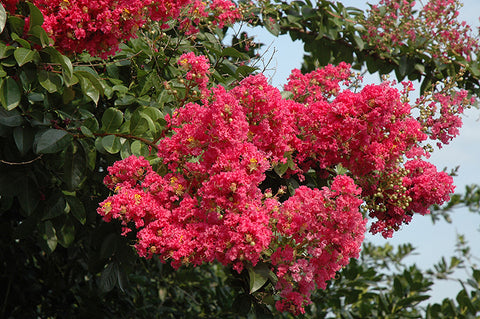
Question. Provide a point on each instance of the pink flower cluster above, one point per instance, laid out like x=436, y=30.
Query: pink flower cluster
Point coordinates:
x=217, y=201
x=323, y=229
x=440, y=117
x=98, y=27
x=433, y=28
x=197, y=68
x=320, y=84
x=217, y=12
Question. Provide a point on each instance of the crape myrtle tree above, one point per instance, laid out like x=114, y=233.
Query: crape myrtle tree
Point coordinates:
x=149, y=169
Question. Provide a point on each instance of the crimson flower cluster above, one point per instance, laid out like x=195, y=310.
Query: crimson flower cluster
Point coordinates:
x=433, y=27
x=231, y=161
x=217, y=12
x=197, y=68
x=98, y=27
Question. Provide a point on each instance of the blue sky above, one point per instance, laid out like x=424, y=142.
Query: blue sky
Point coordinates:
x=432, y=241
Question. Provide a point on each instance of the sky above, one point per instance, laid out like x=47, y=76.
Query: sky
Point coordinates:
x=432, y=241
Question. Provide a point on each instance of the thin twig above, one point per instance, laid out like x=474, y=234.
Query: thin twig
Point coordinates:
x=21, y=163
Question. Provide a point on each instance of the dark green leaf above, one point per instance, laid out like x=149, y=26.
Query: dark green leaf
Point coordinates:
x=111, y=119
x=77, y=209
x=89, y=89
x=23, y=56
x=281, y=168
x=412, y=300
x=245, y=70
x=23, y=137
x=29, y=195
x=52, y=82
x=75, y=167
x=36, y=16
x=272, y=26
x=5, y=50
x=10, y=118
x=403, y=66
x=17, y=24
x=86, y=131
x=66, y=234
x=66, y=64
x=92, y=77
x=258, y=276
x=234, y=53
x=139, y=124
x=51, y=141
x=359, y=42
x=125, y=151
x=56, y=207
x=49, y=235
x=111, y=144
x=10, y=94
x=42, y=35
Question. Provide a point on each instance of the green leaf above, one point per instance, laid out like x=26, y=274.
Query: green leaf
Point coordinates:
x=111, y=144
x=24, y=137
x=139, y=149
x=17, y=24
x=56, y=207
x=52, y=82
x=281, y=168
x=272, y=26
x=42, y=35
x=90, y=153
x=10, y=118
x=66, y=234
x=5, y=50
x=234, y=53
x=75, y=167
x=89, y=89
x=65, y=63
x=420, y=68
x=92, y=77
x=403, y=66
x=340, y=170
x=77, y=209
x=49, y=235
x=287, y=95
x=29, y=196
x=258, y=276
x=92, y=124
x=245, y=70
x=86, y=131
x=111, y=120
x=3, y=18
x=10, y=94
x=36, y=16
x=125, y=151
x=139, y=124
x=51, y=141
x=359, y=42
x=412, y=300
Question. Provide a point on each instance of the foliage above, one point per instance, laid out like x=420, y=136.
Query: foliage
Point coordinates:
x=65, y=119
x=334, y=33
